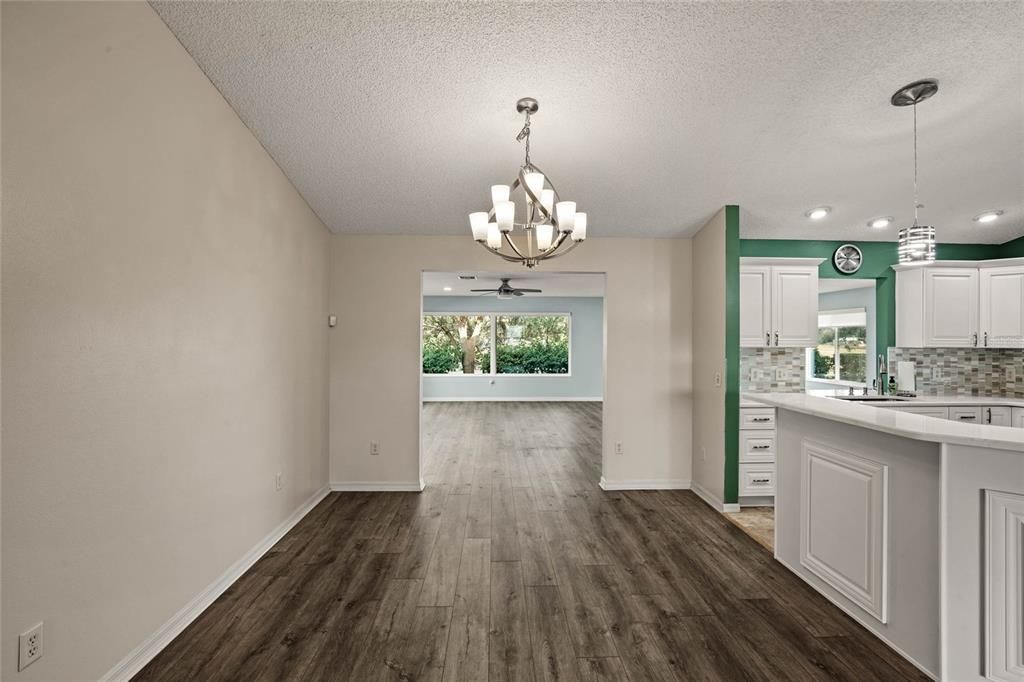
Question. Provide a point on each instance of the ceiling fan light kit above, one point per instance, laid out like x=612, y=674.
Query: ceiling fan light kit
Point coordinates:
x=550, y=227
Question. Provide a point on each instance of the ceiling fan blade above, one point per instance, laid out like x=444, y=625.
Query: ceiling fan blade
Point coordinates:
x=489, y=291
x=531, y=291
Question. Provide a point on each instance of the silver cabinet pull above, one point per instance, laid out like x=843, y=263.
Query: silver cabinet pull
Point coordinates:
x=967, y=416
x=776, y=338
x=761, y=480
x=988, y=415
x=986, y=339
x=761, y=419
x=974, y=338
x=761, y=447
x=767, y=338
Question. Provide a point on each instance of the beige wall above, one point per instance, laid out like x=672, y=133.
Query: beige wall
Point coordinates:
x=709, y=356
x=164, y=334
x=375, y=363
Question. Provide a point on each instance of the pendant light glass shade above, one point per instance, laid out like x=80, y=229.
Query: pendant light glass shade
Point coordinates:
x=478, y=223
x=545, y=233
x=916, y=245
x=493, y=236
x=499, y=193
x=579, y=230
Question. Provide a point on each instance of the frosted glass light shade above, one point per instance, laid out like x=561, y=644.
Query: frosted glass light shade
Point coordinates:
x=499, y=193
x=565, y=214
x=916, y=245
x=545, y=233
x=493, y=236
x=547, y=200
x=505, y=215
x=535, y=181
x=579, y=230
x=478, y=223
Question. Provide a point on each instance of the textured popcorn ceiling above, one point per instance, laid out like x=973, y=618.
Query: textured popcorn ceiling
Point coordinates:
x=396, y=117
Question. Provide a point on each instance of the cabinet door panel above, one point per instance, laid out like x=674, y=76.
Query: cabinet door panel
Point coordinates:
x=996, y=416
x=795, y=306
x=1017, y=415
x=755, y=306
x=1002, y=307
x=951, y=307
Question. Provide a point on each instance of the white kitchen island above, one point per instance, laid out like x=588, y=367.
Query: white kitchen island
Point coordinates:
x=911, y=524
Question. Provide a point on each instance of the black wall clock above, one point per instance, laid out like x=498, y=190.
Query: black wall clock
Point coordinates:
x=848, y=259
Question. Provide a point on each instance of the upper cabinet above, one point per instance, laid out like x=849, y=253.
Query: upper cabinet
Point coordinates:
x=779, y=302
x=960, y=304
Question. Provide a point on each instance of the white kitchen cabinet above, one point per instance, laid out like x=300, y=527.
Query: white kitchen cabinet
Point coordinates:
x=757, y=454
x=969, y=415
x=1001, y=314
x=779, y=302
x=937, y=412
x=1017, y=417
x=960, y=304
x=996, y=415
x=755, y=306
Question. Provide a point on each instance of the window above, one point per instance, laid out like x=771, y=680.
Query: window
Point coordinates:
x=524, y=343
x=842, y=351
x=457, y=344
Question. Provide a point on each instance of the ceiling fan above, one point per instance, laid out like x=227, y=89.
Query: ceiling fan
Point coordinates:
x=506, y=290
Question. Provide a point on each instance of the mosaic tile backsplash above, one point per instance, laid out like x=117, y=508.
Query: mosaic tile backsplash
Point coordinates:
x=964, y=371
x=772, y=370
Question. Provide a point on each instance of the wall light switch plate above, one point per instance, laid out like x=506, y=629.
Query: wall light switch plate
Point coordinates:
x=332, y=320
x=618, y=448
x=718, y=378
x=780, y=374
x=374, y=448
x=1011, y=374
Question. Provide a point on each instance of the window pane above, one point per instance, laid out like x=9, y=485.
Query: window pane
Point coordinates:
x=456, y=344
x=853, y=353
x=825, y=354
x=532, y=344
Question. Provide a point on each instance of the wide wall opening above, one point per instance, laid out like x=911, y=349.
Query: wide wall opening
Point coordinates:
x=512, y=385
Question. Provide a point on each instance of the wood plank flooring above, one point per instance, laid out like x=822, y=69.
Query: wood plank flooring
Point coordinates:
x=514, y=565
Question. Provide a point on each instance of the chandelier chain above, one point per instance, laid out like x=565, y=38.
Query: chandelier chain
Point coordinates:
x=524, y=134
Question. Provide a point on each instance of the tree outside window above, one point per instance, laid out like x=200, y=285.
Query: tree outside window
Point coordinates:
x=841, y=354
x=524, y=344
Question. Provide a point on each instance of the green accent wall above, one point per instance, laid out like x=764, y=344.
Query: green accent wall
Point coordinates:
x=732, y=354
x=1013, y=249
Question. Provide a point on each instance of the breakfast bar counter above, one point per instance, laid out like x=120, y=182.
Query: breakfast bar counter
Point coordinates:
x=911, y=524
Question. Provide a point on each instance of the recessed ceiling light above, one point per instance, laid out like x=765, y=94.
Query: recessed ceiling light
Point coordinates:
x=880, y=223
x=818, y=213
x=987, y=216
x=447, y=288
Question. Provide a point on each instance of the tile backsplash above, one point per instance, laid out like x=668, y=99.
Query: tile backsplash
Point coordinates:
x=964, y=371
x=772, y=370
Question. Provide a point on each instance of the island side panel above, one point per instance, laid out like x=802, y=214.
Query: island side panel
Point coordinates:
x=848, y=461
x=971, y=639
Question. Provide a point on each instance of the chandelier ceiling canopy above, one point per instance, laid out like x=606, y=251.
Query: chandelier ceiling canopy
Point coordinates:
x=548, y=227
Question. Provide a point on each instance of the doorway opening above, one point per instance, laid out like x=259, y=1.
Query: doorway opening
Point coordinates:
x=512, y=370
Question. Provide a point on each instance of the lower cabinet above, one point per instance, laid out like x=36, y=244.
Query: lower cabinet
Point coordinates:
x=997, y=416
x=1017, y=417
x=757, y=452
x=971, y=415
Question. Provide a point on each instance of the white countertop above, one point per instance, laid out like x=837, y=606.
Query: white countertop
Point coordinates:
x=915, y=426
x=751, y=400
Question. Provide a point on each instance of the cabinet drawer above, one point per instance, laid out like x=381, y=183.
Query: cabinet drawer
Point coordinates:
x=966, y=415
x=757, y=446
x=757, y=479
x=937, y=412
x=757, y=417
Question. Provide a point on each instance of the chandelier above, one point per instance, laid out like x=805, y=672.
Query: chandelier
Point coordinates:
x=548, y=223
x=916, y=244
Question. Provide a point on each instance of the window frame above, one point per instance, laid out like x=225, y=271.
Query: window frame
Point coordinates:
x=809, y=361
x=493, y=315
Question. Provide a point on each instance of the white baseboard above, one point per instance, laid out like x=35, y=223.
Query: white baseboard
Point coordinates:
x=546, y=399
x=377, y=486
x=713, y=500
x=155, y=643
x=654, y=484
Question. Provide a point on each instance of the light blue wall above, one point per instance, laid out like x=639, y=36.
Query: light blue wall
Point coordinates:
x=586, y=353
x=844, y=300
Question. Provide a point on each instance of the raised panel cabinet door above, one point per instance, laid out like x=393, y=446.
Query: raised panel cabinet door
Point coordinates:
x=996, y=416
x=1017, y=415
x=1002, y=307
x=794, y=306
x=951, y=307
x=755, y=306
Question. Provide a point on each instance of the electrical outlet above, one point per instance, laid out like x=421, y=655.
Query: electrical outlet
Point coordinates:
x=718, y=379
x=618, y=448
x=374, y=448
x=277, y=481
x=780, y=374
x=30, y=647
x=936, y=374
x=1011, y=374
x=756, y=374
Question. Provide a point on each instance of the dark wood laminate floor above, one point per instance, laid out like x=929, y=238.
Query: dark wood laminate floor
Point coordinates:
x=514, y=565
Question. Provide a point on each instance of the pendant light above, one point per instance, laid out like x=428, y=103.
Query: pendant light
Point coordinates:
x=917, y=242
